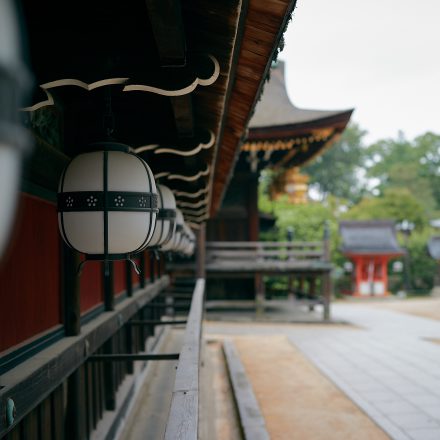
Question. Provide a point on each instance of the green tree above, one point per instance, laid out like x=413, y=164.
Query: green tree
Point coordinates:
x=337, y=171
x=422, y=266
x=414, y=165
x=395, y=204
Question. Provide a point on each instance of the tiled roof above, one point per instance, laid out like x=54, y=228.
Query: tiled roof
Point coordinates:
x=369, y=237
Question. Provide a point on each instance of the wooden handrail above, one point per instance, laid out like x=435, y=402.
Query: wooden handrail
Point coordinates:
x=264, y=244
x=183, y=418
x=263, y=251
x=256, y=253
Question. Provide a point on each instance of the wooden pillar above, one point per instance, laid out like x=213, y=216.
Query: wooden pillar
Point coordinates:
x=109, y=305
x=128, y=280
x=109, y=377
x=291, y=287
x=326, y=281
x=201, y=252
x=253, y=216
x=75, y=410
x=357, y=289
x=152, y=267
x=109, y=297
x=71, y=291
x=75, y=420
x=259, y=294
x=301, y=284
x=129, y=329
x=312, y=286
x=142, y=270
x=384, y=262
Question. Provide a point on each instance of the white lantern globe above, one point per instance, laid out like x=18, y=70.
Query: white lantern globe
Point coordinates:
x=107, y=203
x=166, y=217
x=183, y=240
x=191, y=243
x=15, y=83
x=179, y=230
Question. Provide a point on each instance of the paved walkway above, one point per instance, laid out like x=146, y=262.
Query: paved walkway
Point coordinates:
x=386, y=365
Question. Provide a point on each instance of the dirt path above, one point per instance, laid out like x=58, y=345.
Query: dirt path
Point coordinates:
x=296, y=400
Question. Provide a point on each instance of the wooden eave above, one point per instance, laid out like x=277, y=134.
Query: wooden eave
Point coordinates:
x=262, y=30
x=294, y=144
x=127, y=42
x=337, y=122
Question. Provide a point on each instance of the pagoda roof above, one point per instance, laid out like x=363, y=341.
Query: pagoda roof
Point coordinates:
x=434, y=247
x=281, y=135
x=276, y=109
x=373, y=237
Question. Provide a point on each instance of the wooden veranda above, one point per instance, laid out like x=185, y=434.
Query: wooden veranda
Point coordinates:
x=256, y=259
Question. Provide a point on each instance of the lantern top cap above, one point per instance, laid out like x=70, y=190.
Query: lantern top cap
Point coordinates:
x=109, y=146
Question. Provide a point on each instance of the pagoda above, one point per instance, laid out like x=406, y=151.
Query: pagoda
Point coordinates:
x=369, y=245
x=280, y=136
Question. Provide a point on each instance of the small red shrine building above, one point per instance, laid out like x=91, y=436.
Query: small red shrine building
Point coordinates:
x=369, y=245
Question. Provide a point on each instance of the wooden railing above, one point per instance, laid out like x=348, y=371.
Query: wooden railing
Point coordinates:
x=296, y=259
x=39, y=387
x=265, y=250
x=183, y=418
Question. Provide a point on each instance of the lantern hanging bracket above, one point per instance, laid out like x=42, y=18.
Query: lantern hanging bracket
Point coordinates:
x=135, y=266
x=80, y=267
x=108, y=117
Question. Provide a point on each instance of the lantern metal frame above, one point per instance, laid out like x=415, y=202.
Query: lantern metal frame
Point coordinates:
x=106, y=201
x=164, y=214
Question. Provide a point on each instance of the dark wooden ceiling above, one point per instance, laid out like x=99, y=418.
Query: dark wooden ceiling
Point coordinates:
x=120, y=54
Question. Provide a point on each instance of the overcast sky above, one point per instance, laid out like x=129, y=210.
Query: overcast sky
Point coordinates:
x=381, y=57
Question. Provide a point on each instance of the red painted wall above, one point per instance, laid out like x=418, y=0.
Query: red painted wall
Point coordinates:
x=30, y=274
x=147, y=266
x=119, y=277
x=134, y=275
x=91, y=286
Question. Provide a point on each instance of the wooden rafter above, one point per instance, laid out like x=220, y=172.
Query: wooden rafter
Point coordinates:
x=183, y=115
x=167, y=25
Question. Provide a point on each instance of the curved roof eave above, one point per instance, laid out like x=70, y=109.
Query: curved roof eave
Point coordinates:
x=276, y=109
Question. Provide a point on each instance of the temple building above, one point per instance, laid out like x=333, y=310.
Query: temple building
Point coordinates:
x=103, y=103
x=369, y=245
x=281, y=137
x=292, y=183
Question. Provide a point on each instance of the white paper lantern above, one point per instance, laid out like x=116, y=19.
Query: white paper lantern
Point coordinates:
x=14, y=140
x=107, y=203
x=192, y=242
x=180, y=247
x=166, y=217
x=173, y=245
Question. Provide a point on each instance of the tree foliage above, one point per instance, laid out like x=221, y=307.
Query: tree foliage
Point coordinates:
x=414, y=165
x=337, y=171
x=395, y=204
x=407, y=187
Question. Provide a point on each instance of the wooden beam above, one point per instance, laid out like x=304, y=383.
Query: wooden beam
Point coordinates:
x=71, y=291
x=183, y=115
x=118, y=357
x=167, y=25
